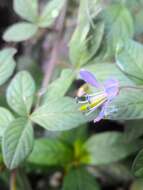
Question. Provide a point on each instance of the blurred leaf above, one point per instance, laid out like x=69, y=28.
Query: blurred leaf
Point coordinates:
x=73, y=135
x=126, y=106
x=30, y=64
x=129, y=59
x=104, y=71
x=7, y=64
x=138, y=165
x=137, y=185
x=113, y=147
x=89, y=40
x=17, y=142
x=22, y=180
x=59, y=87
x=20, y=32
x=5, y=119
x=78, y=179
x=119, y=25
x=50, y=12
x=50, y=152
x=20, y=93
x=78, y=53
x=27, y=9
x=133, y=129
x=57, y=115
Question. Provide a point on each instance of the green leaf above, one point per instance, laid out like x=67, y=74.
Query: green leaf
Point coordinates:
x=27, y=9
x=126, y=106
x=20, y=93
x=17, y=142
x=50, y=152
x=78, y=44
x=138, y=165
x=78, y=179
x=59, y=87
x=50, y=12
x=129, y=59
x=113, y=147
x=133, y=129
x=57, y=115
x=119, y=25
x=5, y=119
x=7, y=64
x=89, y=40
x=20, y=32
x=104, y=71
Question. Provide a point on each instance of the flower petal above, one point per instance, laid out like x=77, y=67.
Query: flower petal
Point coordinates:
x=102, y=113
x=111, y=87
x=89, y=78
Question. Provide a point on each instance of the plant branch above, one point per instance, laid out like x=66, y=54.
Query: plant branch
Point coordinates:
x=51, y=63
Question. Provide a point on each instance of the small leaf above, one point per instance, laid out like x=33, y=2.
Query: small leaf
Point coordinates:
x=50, y=152
x=138, y=165
x=17, y=142
x=78, y=179
x=5, y=119
x=20, y=93
x=57, y=115
x=20, y=32
x=50, y=12
x=27, y=9
x=59, y=87
x=7, y=64
x=113, y=147
x=129, y=59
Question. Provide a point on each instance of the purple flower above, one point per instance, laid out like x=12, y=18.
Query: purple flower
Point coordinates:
x=105, y=92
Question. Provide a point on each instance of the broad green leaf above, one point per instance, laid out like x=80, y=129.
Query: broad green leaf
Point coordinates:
x=129, y=58
x=7, y=64
x=20, y=32
x=104, y=71
x=57, y=115
x=17, y=142
x=138, y=165
x=59, y=87
x=78, y=179
x=119, y=25
x=20, y=93
x=133, y=129
x=127, y=105
x=27, y=9
x=113, y=147
x=5, y=119
x=50, y=152
x=50, y=12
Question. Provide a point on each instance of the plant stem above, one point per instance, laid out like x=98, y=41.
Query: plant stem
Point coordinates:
x=50, y=65
x=13, y=180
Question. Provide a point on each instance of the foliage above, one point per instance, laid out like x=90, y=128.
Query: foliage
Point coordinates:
x=107, y=41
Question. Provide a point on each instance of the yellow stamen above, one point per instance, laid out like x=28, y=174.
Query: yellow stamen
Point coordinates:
x=94, y=103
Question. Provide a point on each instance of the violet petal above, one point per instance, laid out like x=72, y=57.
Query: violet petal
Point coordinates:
x=89, y=78
x=111, y=87
x=102, y=113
